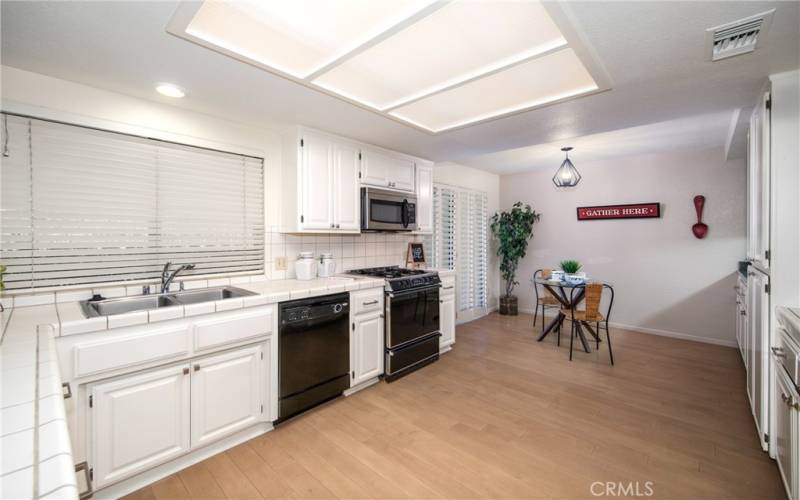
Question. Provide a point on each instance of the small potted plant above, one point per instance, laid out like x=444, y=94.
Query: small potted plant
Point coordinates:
x=512, y=229
x=571, y=268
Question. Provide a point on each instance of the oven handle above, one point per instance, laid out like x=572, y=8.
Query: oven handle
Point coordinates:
x=404, y=213
x=414, y=290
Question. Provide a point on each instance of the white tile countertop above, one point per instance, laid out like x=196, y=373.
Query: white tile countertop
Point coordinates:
x=36, y=452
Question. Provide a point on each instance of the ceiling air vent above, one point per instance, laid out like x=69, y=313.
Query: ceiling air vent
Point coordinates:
x=738, y=37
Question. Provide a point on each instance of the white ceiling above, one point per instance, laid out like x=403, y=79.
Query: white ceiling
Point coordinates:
x=652, y=51
x=695, y=132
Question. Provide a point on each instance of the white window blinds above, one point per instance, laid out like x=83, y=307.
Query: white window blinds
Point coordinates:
x=81, y=206
x=460, y=241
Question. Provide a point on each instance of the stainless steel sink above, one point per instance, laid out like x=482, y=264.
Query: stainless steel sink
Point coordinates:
x=122, y=305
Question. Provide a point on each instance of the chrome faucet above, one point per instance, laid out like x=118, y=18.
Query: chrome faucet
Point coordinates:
x=167, y=276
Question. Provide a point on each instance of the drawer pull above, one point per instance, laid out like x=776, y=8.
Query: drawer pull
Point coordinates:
x=370, y=303
x=66, y=386
x=196, y=366
x=186, y=371
x=448, y=287
x=84, y=466
x=778, y=352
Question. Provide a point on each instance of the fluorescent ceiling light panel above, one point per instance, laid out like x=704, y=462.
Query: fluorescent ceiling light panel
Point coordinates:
x=433, y=64
x=461, y=41
x=539, y=81
x=297, y=37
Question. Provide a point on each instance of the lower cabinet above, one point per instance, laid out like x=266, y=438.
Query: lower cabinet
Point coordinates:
x=447, y=313
x=139, y=421
x=368, y=351
x=226, y=393
x=787, y=434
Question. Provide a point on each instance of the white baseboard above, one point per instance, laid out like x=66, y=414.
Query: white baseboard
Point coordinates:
x=660, y=333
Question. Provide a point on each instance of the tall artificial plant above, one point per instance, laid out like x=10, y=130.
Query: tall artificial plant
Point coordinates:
x=513, y=229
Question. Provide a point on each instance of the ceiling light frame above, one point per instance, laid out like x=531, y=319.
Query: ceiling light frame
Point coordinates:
x=559, y=12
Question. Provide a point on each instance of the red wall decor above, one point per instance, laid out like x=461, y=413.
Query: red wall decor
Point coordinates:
x=631, y=211
x=700, y=230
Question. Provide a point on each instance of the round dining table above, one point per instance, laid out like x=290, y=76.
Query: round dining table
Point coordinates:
x=569, y=299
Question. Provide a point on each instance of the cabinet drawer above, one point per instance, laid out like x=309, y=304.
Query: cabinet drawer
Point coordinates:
x=110, y=354
x=448, y=286
x=228, y=328
x=366, y=301
x=787, y=353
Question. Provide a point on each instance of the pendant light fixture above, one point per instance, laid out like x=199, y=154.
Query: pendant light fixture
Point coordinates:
x=566, y=175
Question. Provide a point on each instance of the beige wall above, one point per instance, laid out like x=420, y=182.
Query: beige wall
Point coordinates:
x=478, y=180
x=666, y=281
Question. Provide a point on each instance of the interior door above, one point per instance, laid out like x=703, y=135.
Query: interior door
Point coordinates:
x=368, y=345
x=317, y=171
x=226, y=393
x=347, y=195
x=138, y=422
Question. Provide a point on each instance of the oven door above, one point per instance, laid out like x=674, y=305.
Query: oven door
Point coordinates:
x=387, y=211
x=411, y=315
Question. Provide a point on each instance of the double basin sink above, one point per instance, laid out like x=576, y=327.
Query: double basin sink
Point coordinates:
x=122, y=305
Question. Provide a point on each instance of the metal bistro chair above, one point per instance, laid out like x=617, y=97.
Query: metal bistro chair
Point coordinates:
x=593, y=295
x=545, y=300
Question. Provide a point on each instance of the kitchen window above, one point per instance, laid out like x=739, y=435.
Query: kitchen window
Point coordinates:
x=81, y=206
x=460, y=241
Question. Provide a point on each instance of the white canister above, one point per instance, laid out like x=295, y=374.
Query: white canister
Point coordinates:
x=306, y=266
x=327, y=266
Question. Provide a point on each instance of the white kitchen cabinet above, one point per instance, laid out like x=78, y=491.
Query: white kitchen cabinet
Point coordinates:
x=138, y=422
x=787, y=432
x=447, y=313
x=347, y=202
x=424, y=198
x=757, y=351
x=368, y=348
x=385, y=169
x=227, y=393
x=758, y=184
x=317, y=173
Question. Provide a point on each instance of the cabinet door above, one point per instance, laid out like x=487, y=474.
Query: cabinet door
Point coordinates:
x=424, y=198
x=387, y=171
x=226, y=393
x=368, y=348
x=347, y=196
x=785, y=432
x=758, y=316
x=317, y=170
x=138, y=422
x=762, y=247
x=447, y=319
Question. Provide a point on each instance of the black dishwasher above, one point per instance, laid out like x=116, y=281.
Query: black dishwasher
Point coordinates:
x=314, y=346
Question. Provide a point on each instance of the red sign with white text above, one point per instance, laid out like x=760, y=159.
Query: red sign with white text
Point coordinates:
x=632, y=211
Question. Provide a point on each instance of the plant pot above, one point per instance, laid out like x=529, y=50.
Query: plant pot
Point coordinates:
x=509, y=305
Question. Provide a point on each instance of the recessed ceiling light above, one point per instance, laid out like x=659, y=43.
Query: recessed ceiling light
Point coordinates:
x=170, y=90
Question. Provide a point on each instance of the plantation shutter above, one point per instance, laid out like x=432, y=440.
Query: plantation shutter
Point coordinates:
x=460, y=242
x=82, y=206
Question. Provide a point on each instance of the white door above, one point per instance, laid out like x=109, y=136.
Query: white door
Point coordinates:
x=226, y=393
x=347, y=196
x=368, y=347
x=138, y=422
x=387, y=171
x=447, y=319
x=785, y=432
x=317, y=170
x=424, y=198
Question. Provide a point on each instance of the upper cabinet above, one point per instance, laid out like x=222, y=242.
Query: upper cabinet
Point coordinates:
x=424, y=197
x=321, y=176
x=758, y=184
x=387, y=170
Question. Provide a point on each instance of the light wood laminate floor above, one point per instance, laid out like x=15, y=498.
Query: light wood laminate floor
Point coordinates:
x=504, y=416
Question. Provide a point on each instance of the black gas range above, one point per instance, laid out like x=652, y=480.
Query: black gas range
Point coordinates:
x=411, y=319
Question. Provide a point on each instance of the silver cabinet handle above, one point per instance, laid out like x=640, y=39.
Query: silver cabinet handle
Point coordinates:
x=778, y=352
x=196, y=366
x=337, y=226
x=784, y=398
x=66, y=386
x=84, y=466
x=370, y=303
x=447, y=287
x=186, y=371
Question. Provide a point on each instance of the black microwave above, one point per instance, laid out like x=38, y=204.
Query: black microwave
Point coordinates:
x=384, y=210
